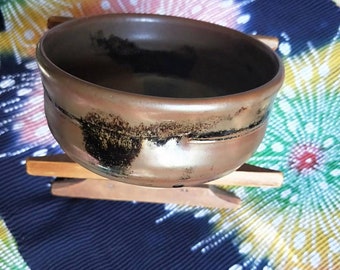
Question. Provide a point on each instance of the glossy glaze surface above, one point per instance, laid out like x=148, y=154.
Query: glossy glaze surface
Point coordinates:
x=155, y=100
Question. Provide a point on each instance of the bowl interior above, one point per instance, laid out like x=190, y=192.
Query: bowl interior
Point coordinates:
x=160, y=56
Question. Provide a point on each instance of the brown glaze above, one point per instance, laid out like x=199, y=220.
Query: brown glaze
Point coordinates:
x=146, y=100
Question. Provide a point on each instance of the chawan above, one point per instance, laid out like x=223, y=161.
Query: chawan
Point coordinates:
x=156, y=100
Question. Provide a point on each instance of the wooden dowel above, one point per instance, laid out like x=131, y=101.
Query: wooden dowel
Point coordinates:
x=62, y=166
x=104, y=189
x=271, y=42
x=56, y=20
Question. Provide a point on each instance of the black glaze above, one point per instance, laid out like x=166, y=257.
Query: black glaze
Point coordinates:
x=167, y=63
x=178, y=186
x=220, y=135
x=113, y=143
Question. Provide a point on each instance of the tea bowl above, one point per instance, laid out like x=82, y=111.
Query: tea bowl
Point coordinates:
x=157, y=100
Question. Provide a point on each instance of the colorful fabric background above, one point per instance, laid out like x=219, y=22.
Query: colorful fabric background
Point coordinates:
x=296, y=226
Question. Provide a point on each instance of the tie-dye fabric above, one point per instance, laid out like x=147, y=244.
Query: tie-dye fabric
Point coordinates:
x=296, y=226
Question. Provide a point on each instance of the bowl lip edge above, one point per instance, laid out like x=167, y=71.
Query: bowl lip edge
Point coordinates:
x=273, y=85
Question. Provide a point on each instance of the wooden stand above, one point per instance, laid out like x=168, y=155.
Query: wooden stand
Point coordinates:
x=73, y=180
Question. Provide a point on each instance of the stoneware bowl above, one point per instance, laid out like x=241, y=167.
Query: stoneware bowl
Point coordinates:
x=156, y=100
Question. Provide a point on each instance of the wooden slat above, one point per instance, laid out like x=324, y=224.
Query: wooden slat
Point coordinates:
x=104, y=189
x=271, y=42
x=56, y=20
x=63, y=166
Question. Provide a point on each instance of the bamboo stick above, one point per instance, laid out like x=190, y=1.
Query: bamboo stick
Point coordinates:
x=62, y=166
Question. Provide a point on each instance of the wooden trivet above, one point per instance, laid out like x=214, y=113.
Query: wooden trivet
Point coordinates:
x=73, y=180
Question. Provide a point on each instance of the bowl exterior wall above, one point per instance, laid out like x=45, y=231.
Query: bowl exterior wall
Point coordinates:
x=180, y=161
x=150, y=140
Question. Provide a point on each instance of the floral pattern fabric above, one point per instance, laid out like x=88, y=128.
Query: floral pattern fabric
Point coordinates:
x=295, y=226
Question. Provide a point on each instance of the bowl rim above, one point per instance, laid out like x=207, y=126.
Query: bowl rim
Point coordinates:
x=269, y=88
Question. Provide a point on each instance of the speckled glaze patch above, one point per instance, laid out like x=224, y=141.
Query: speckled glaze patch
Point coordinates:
x=115, y=143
